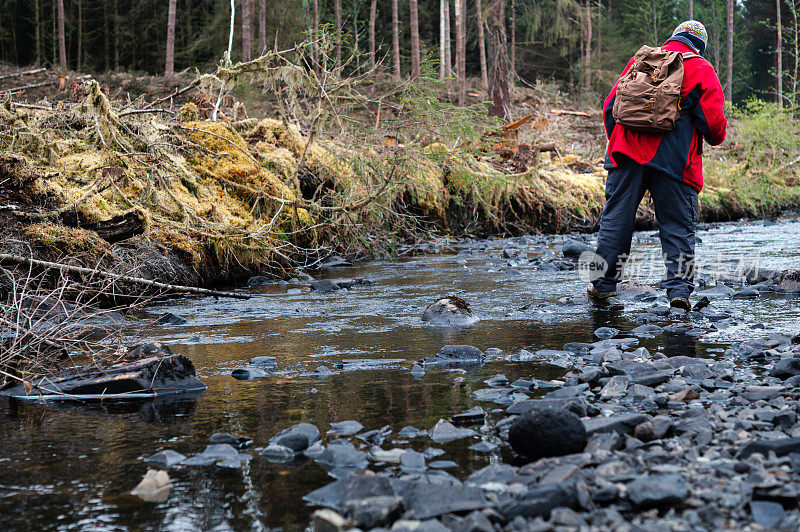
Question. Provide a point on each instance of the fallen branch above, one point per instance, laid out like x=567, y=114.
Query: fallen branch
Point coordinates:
x=144, y=111
x=559, y=112
x=26, y=87
x=24, y=73
x=177, y=93
x=25, y=261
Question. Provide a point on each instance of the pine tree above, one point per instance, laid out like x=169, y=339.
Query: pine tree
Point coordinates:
x=414, y=25
x=169, y=68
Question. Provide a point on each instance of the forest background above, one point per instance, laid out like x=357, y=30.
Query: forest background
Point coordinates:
x=582, y=44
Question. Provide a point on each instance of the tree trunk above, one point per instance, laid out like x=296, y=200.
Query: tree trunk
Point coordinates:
x=396, y=40
x=729, y=80
x=337, y=13
x=106, y=37
x=796, y=47
x=315, y=36
x=448, y=49
x=482, y=45
x=513, y=39
x=116, y=35
x=80, y=34
x=779, y=49
x=691, y=9
x=373, y=8
x=414, y=25
x=37, y=34
x=587, y=60
x=262, y=26
x=62, y=45
x=442, y=69
x=169, y=69
x=499, y=63
x=461, y=49
x=247, y=30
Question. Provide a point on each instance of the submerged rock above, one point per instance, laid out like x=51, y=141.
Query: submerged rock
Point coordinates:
x=335, y=261
x=248, y=373
x=171, y=319
x=549, y=432
x=154, y=487
x=455, y=356
x=449, y=310
x=345, y=428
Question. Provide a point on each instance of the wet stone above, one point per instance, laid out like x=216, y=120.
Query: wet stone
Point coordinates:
x=278, y=453
x=444, y=432
x=746, y=293
x=604, y=333
x=372, y=512
x=264, y=362
x=424, y=500
x=540, y=501
x=448, y=311
x=656, y=491
x=648, y=330
x=340, y=456
x=455, y=356
x=376, y=436
x=258, y=280
x=616, y=387
x=762, y=393
x=474, y=415
x=411, y=460
x=165, y=459
x=545, y=433
x=298, y=437
x=619, y=423
x=574, y=248
x=171, y=319
x=248, y=373
x=335, y=261
x=345, y=428
x=785, y=368
x=781, y=447
x=768, y=514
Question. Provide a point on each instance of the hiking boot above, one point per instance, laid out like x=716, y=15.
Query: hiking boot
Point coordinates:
x=597, y=295
x=681, y=303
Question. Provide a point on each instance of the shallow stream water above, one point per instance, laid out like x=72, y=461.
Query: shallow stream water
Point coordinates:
x=73, y=466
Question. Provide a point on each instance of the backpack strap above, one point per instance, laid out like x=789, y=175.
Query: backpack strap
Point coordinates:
x=690, y=55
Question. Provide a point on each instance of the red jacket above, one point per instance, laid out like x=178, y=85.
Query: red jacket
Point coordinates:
x=677, y=152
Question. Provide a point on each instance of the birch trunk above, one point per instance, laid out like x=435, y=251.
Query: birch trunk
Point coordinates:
x=482, y=44
x=396, y=40
x=779, y=49
x=373, y=8
x=461, y=48
x=729, y=26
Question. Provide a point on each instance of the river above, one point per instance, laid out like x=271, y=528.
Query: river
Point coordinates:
x=72, y=466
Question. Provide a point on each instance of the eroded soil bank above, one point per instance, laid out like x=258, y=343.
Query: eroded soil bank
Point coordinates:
x=704, y=385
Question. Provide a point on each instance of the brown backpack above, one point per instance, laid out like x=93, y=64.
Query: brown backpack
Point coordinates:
x=648, y=95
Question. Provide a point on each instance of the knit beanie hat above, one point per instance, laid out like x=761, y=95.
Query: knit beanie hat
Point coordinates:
x=693, y=34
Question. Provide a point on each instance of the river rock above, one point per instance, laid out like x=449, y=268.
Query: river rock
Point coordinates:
x=171, y=319
x=549, y=432
x=540, y=501
x=616, y=387
x=154, y=487
x=576, y=405
x=455, y=356
x=746, y=293
x=785, y=368
x=165, y=459
x=768, y=514
x=411, y=460
x=424, y=500
x=444, y=432
x=574, y=248
x=259, y=280
x=248, y=373
x=345, y=428
x=647, y=330
x=619, y=423
x=341, y=457
x=335, y=261
x=781, y=447
x=604, y=333
x=264, y=362
x=355, y=487
x=657, y=491
x=298, y=438
x=473, y=416
x=372, y=512
x=449, y=310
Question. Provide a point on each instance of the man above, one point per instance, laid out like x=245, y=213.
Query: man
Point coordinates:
x=669, y=165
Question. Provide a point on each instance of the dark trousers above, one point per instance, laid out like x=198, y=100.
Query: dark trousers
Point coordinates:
x=677, y=211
